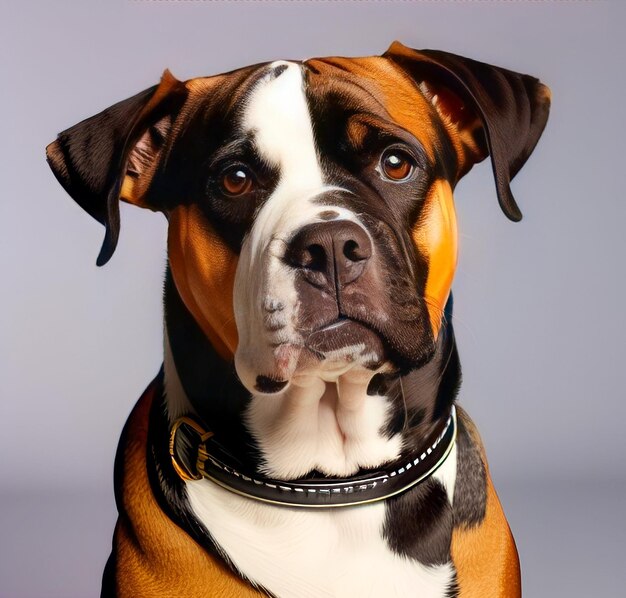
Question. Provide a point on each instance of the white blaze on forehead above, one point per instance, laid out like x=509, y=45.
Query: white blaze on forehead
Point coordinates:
x=277, y=115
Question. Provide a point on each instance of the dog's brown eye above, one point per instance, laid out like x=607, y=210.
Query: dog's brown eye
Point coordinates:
x=236, y=181
x=396, y=165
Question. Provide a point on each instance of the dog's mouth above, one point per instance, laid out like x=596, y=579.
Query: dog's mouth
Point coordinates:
x=342, y=345
x=346, y=339
x=328, y=351
x=360, y=335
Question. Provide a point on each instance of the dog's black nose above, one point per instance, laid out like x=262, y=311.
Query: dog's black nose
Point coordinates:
x=330, y=253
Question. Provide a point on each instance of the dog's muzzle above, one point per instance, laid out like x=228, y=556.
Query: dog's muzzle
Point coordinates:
x=336, y=293
x=330, y=259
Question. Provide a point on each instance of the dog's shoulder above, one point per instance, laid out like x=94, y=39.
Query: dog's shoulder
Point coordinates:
x=483, y=549
x=151, y=555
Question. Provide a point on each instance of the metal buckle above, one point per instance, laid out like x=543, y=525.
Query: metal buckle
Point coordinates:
x=180, y=469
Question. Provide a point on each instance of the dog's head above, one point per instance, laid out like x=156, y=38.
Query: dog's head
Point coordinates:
x=311, y=220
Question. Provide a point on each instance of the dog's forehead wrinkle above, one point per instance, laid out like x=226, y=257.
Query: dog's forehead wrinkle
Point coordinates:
x=349, y=87
x=352, y=100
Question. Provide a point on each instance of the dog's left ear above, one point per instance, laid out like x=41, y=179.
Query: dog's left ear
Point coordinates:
x=489, y=110
x=113, y=155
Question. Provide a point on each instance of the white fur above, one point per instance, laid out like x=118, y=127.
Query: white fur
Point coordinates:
x=314, y=552
x=446, y=474
x=277, y=115
x=334, y=428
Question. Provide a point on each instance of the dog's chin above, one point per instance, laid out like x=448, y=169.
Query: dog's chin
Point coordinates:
x=342, y=347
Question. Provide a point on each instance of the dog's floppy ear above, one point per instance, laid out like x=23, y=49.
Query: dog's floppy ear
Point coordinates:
x=492, y=111
x=114, y=154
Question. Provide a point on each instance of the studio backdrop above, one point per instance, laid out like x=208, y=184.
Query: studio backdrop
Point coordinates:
x=539, y=312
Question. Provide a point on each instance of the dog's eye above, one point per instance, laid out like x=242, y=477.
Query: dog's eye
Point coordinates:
x=236, y=180
x=396, y=165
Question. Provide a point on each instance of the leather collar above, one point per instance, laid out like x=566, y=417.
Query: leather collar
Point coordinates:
x=197, y=453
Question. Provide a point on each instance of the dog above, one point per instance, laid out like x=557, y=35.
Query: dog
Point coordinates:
x=302, y=437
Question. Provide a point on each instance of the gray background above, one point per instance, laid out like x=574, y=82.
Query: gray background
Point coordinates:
x=538, y=306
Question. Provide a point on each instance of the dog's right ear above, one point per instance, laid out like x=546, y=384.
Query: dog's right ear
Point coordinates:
x=114, y=154
x=494, y=111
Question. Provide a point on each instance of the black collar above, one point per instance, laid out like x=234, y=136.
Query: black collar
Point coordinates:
x=197, y=453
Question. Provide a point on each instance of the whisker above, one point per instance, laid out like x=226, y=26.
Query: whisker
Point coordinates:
x=225, y=323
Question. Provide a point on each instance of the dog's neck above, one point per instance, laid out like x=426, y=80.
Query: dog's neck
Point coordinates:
x=335, y=428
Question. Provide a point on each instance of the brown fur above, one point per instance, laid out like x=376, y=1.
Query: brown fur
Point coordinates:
x=485, y=556
x=204, y=271
x=435, y=236
x=154, y=557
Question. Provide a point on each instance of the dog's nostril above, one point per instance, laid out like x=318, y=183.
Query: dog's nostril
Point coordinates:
x=330, y=254
x=354, y=252
x=312, y=257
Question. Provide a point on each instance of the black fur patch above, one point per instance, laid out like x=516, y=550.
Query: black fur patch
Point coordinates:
x=269, y=385
x=451, y=378
x=401, y=420
x=453, y=589
x=279, y=70
x=418, y=523
x=421, y=398
x=470, y=489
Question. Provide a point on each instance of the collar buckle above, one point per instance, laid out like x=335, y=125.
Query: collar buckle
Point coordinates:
x=203, y=435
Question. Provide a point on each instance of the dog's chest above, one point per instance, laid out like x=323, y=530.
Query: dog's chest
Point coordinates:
x=310, y=553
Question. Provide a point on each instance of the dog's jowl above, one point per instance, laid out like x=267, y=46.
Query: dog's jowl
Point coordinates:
x=301, y=438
